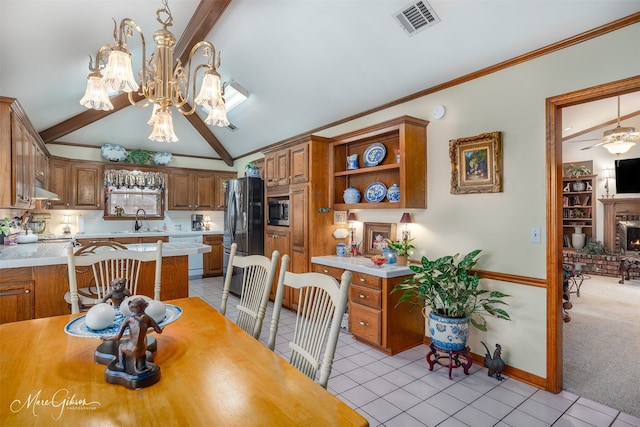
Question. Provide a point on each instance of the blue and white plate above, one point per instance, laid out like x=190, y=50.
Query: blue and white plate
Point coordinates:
x=375, y=192
x=113, y=152
x=162, y=158
x=78, y=327
x=374, y=154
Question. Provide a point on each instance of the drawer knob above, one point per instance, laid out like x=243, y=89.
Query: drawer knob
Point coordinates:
x=363, y=280
x=325, y=271
x=363, y=296
x=363, y=323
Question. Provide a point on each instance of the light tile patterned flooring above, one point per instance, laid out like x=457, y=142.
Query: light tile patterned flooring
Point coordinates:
x=401, y=391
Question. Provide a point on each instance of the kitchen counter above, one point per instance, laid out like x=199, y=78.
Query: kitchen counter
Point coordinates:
x=114, y=234
x=362, y=265
x=40, y=254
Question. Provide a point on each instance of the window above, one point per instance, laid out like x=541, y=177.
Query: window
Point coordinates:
x=128, y=191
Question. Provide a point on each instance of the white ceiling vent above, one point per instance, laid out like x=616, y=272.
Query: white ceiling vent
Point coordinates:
x=232, y=127
x=416, y=16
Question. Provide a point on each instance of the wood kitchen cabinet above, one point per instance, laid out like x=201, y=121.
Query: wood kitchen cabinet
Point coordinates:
x=373, y=316
x=276, y=168
x=278, y=239
x=78, y=184
x=213, y=261
x=220, y=186
x=16, y=295
x=196, y=190
x=20, y=143
x=406, y=136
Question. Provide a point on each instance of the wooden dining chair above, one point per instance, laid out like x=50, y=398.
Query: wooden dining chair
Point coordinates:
x=258, y=272
x=321, y=304
x=92, y=269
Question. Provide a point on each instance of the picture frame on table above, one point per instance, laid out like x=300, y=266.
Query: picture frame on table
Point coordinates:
x=339, y=217
x=375, y=237
x=476, y=164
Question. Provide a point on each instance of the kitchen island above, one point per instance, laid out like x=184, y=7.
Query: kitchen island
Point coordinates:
x=33, y=277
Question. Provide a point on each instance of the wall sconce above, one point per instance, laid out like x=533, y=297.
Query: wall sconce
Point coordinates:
x=606, y=174
x=406, y=220
x=352, y=233
x=66, y=220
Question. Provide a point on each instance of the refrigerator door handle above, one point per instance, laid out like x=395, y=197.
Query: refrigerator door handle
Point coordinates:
x=232, y=216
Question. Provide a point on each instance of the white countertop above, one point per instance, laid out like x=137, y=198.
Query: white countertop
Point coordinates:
x=36, y=254
x=115, y=234
x=362, y=265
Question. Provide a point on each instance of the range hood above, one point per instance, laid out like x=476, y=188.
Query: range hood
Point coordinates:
x=42, y=194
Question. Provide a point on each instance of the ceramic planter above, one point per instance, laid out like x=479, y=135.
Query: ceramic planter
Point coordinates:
x=448, y=333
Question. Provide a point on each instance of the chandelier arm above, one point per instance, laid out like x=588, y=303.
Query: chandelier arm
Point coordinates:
x=180, y=100
x=193, y=78
x=125, y=31
x=145, y=102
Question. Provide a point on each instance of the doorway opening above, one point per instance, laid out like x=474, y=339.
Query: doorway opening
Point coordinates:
x=554, y=174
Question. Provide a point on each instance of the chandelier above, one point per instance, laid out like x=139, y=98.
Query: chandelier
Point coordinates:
x=159, y=83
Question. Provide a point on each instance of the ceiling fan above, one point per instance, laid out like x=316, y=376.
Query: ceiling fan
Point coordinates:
x=617, y=140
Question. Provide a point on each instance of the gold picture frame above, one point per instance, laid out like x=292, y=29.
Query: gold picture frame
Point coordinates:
x=375, y=235
x=476, y=164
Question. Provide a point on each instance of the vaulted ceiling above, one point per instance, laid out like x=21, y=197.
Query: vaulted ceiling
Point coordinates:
x=305, y=63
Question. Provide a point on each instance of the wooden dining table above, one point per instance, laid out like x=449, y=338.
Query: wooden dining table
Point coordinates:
x=212, y=374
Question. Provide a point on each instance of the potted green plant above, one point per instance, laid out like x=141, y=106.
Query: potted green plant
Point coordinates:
x=5, y=228
x=251, y=169
x=576, y=172
x=450, y=290
x=402, y=248
x=139, y=157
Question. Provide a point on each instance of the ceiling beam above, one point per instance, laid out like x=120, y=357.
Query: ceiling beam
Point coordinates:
x=206, y=15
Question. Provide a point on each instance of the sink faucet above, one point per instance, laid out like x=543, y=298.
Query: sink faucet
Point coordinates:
x=137, y=226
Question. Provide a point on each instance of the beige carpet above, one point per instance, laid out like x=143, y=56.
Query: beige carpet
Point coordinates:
x=602, y=343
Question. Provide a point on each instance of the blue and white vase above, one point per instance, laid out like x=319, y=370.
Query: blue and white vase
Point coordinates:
x=393, y=193
x=351, y=195
x=448, y=333
x=162, y=158
x=253, y=172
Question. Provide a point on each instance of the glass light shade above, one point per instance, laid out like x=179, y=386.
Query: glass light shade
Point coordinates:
x=96, y=95
x=619, y=147
x=152, y=119
x=118, y=74
x=163, y=127
x=352, y=217
x=217, y=116
x=209, y=91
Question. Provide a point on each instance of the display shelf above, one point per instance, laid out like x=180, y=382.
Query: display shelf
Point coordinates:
x=578, y=208
x=405, y=136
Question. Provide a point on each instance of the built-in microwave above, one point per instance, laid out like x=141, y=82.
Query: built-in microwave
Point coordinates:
x=278, y=212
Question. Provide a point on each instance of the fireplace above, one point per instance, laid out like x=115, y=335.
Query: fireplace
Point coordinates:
x=629, y=233
x=621, y=224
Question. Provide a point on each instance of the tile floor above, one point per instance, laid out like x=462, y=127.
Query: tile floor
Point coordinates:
x=401, y=391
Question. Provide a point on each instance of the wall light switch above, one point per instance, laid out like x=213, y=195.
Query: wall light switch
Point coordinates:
x=535, y=234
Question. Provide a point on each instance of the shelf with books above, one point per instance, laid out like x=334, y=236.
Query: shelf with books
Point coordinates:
x=578, y=213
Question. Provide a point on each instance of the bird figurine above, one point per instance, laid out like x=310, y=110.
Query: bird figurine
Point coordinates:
x=494, y=364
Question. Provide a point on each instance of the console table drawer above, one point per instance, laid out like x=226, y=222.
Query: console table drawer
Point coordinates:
x=365, y=296
x=365, y=323
x=334, y=272
x=368, y=280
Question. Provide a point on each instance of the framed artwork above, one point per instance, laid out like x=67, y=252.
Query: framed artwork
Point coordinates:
x=375, y=235
x=339, y=217
x=476, y=164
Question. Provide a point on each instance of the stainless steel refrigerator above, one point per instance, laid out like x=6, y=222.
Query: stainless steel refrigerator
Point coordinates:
x=243, y=223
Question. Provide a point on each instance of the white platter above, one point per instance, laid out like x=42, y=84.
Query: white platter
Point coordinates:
x=374, y=154
x=113, y=152
x=375, y=192
x=78, y=327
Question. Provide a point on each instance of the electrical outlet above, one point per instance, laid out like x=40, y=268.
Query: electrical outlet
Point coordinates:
x=534, y=235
